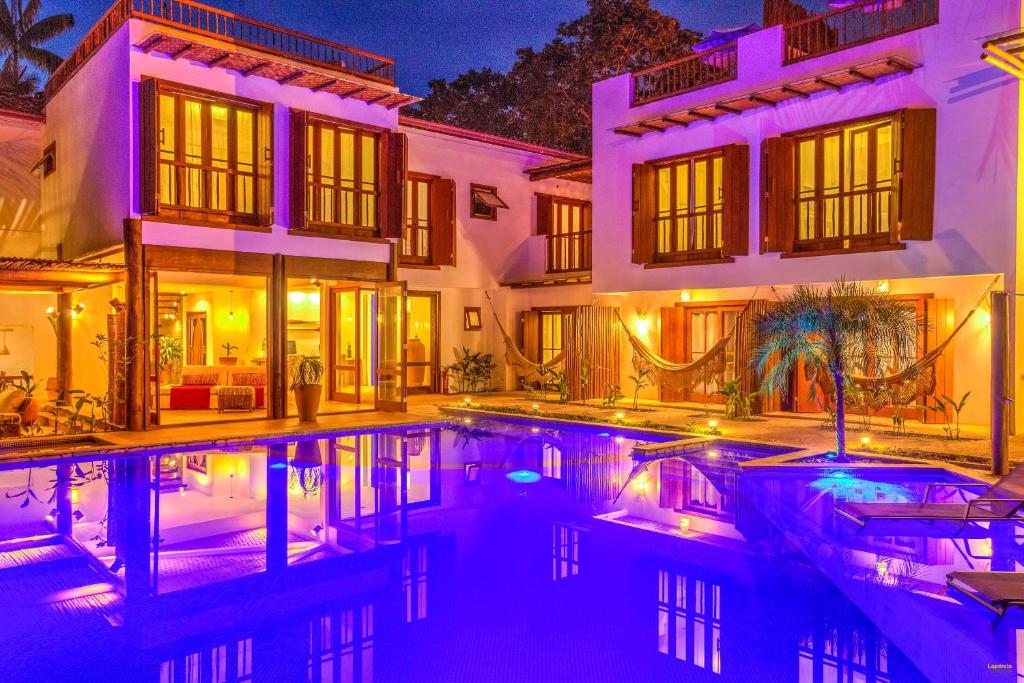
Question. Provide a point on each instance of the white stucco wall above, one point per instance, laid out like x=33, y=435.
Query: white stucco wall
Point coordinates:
x=975, y=209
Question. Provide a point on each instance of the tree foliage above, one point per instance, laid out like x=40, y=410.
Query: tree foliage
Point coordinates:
x=22, y=32
x=830, y=331
x=545, y=97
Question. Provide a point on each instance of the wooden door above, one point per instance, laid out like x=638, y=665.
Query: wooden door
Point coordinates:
x=345, y=333
x=195, y=338
x=391, y=326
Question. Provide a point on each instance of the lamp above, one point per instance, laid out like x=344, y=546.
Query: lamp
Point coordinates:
x=685, y=295
x=4, y=351
x=77, y=310
x=231, y=304
x=643, y=324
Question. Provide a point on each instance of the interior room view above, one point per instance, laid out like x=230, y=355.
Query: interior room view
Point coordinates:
x=211, y=353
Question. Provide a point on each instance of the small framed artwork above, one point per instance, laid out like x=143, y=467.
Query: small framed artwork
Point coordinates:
x=473, y=319
x=472, y=473
x=196, y=463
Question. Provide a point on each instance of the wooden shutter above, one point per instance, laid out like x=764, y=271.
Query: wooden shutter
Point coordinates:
x=265, y=164
x=149, y=139
x=442, y=222
x=673, y=348
x=298, y=166
x=531, y=334
x=545, y=214
x=736, y=200
x=917, y=174
x=393, y=162
x=644, y=209
x=778, y=188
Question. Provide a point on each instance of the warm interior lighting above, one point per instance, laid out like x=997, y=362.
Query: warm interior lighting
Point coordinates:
x=882, y=287
x=77, y=310
x=712, y=454
x=468, y=400
x=865, y=440
x=314, y=298
x=296, y=297
x=685, y=295
x=985, y=317
x=713, y=424
x=620, y=416
x=641, y=485
x=535, y=407
x=643, y=324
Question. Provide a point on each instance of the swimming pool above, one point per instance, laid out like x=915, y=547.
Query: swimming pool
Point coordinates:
x=490, y=550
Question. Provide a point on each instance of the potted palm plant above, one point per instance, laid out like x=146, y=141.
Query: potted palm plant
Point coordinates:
x=829, y=331
x=171, y=353
x=227, y=358
x=306, y=385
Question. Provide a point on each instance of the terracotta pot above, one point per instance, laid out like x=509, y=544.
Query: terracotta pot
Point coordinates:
x=229, y=361
x=307, y=401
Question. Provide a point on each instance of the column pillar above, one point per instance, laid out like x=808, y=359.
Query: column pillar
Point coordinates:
x=1000, y=400
x=135, y=326
x=278, y=335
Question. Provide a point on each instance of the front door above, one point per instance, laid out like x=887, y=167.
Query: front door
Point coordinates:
x=390, y=361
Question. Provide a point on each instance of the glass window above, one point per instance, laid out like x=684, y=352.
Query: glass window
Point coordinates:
x=689, y=207
x=569, y=240
x=845, y=186
x=417, y=229
x=206, y=154
x=341, y=175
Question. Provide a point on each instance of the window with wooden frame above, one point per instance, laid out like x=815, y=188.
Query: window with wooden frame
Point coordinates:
x=204, y=157
x=428, y=232
x=47, y=163
x=348, y=180
x=541, y=332
x=691, y=208
x=860, y=185
x=566, y=223
x=484, y=202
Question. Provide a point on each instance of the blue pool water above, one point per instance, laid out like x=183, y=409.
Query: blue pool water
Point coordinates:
x=480, y=551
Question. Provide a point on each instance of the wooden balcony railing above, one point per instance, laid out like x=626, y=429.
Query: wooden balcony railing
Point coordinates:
x=857, y=24
x=207, y=21
x=568, y=252
x=691, y=72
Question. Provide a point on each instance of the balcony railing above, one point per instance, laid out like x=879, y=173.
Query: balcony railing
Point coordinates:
x=207, y=21
x=568, y=252
x=685, y=74
x=857, y=24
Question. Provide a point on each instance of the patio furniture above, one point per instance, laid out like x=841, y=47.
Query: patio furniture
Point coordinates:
x=201, y=386
x=998, y=591
x=10, y=425
x=1000, y=501
x=236, y=398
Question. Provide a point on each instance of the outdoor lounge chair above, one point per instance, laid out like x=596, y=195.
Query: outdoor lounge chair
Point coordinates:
x=997, y=591
x=1000, y=501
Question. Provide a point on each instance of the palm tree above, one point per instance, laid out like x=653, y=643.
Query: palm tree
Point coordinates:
x=21, y=34
x=830, y=330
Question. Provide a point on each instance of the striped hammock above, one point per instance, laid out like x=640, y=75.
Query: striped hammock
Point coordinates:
x=531, y=371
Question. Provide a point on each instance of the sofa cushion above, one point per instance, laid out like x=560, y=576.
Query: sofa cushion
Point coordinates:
x=200, y=378
x=250, y=379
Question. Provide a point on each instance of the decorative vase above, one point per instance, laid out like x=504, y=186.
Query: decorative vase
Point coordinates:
x=229, y=361
x=307, y=401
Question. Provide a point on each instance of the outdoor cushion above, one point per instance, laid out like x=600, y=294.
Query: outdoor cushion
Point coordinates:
x=11, y=399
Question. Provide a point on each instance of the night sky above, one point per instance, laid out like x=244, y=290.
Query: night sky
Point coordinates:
x=431, y=38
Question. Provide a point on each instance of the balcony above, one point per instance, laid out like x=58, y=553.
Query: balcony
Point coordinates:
x=568, y=252
x=854, y=25
x=692, y=72
x=204, y=21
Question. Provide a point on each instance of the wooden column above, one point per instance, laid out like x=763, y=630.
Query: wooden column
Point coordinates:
x=1000, y=402
x=278, y=335
x=63, y=330
x=393, y=254
x=135, y=332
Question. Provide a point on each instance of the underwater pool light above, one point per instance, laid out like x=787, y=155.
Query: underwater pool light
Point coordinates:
x=523, y=477
x=604, y=434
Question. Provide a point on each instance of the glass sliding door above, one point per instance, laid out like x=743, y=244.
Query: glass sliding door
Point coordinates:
x=391, y=333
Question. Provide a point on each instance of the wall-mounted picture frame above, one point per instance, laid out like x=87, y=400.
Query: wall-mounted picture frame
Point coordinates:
x=473, y=319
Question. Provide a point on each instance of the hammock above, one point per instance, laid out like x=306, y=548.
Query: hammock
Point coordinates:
x=531, y=371
x=918, y=379
x=710, y=366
